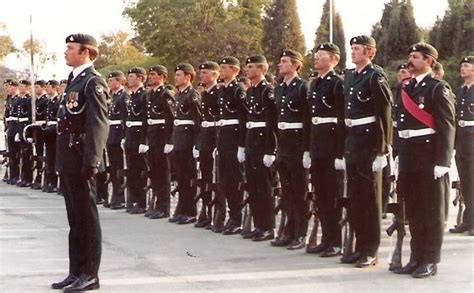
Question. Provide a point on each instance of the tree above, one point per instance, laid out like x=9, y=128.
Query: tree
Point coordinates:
x=322, y=33
x=6, y=42
x=115, y=48
x=282, y=30
x=40, y=55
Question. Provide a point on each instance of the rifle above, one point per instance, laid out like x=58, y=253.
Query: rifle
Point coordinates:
x=219, y=213
x=123, y=174
x=347, y=231
x=313, y=212
x=280, y=206
x=458, y=201
x=245, y=206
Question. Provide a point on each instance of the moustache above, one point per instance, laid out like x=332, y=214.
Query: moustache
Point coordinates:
x=409, y=64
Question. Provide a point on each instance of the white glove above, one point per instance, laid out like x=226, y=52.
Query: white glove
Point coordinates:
x=29, y=139
x=17, y=137
x=268, y=160
x=122, y=143
x=143, y=148
x=241, y=154
x=214, y=153
x=379, y=163
x=340, y=164
x=306, y=160
x=390, y=149
x=440, y=171
x=168, y=148
x=195, y=152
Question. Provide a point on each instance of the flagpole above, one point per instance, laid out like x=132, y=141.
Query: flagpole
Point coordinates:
x=32, y=73
x=330, y=20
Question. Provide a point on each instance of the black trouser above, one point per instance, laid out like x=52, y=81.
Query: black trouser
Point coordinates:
x=14, y=157
x=160, y=178
x=294, y=184
x=39, y=147
x=26, y=162
x=185, y=167
x=115, y=153
x=465, y=165
x=85, y=235
x=230, y=176
x=328, y=186
x=259, y=187
x=51, y=177
x=135, y=180
x=365, y=210
x=206, y=164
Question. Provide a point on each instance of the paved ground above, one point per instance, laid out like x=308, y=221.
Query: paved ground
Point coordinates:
x=142, y=255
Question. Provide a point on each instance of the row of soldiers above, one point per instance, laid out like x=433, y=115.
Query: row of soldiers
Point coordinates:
x=229, y=138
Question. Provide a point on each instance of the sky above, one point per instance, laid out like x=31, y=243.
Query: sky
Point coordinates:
x=53, y=20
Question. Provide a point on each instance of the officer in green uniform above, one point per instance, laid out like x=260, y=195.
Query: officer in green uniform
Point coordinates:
x=368, y=136
x=82, y=131
x=49, y=131
x=426, y=130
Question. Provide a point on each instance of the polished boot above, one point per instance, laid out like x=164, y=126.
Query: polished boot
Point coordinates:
x=83, y=283
x=366, y=261
x=64, y=283
x=425, y=270
x=408, y=269
x=297, y=243
x=351, y=258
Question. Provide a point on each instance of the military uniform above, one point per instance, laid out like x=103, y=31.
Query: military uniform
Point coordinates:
x=50, y=141
x=368, y=133
x=117, y=115
x=465, y=148
x=158, y=123
x=421, y=148
x=326, y=102
x=26, y=150
x=41, y=106
x=185, y=134
x=11, y=118
x=82, y=131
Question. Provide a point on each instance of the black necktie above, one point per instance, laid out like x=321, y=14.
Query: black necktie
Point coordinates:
x=69, y=79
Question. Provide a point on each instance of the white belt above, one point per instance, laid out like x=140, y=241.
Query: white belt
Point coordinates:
x=290, y=125
x=465, y=123
x=323, y=120
x=206, y=124
x=408, y=133
x=178, y=122
x=133, y=123
x=360, y=121
x=40, y=122
x=251, y=124
x=225, y=122
x=23, y=119
x=51, y=123
x=115, y=122
x=11, y=119
x=155, y=121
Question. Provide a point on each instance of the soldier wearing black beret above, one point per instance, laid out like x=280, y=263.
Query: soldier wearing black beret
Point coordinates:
x=208, y=74
x=426, y=131
x=465, y=142
x=185, y=136
x=11, y=129
x=82, y=130
x=24, y=119
x=230, y=142
x=157, y=135
x=368, y=102
x=326, y=102
x=293, y=158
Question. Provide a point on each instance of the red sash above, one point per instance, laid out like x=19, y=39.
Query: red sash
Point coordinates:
x=420, y=114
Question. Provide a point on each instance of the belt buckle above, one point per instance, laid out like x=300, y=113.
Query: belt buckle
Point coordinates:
x=176, y=122
x=249, y=125
x=205, y=124
x=128, y=123
x=405, y=133
x=348, y=122
x=462, y=123
x=149, y=121
x=220, y=123
x=283, y=125
x=315, y=120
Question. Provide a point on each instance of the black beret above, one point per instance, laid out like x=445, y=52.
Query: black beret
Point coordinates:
x=363, y=40
x=7, y=81
x=424, y=48
x=329, y=47
x=81, y=39
x=201, y=84
x=292, y=54
x=160, y=69
x=230, y=60
x=438, y=66
x=63, y=81
x=402, y=66
x=13, y=82
x=25, y=82
x=258, y=59
x=185, y=67
x=52, y=82
x=116, y=73
x=467, y=59
x=313, y=74
x=211, y=65
x=137, y=70
x=40, y=82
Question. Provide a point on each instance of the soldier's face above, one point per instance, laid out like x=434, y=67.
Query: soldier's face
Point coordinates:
x=49, y=89
x=208, y=76
x=252, y=71
x=358, y=54
x=62, y=87
x=133, y=80
x=39, y=90
x=467, y=70
x=286, y=66
x=418, y=63
x=322, y=60
x=12, y=90
x=155, y=79
x=181, y=79
x=23, y=89
x=403, y=74
x=228, y=72
x=74, y=57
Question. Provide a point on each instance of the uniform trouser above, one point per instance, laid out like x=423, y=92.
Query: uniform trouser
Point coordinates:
x=39, y=147
x=51, y=177
x=14, y=157
x=135, y=180
x=294, y=184
x=26, y=162
x=160, y=178
x=328, y=187
x=85, y=235
x=206, y=164
x=230, y=176
x=259, y=187
x=185, y=167
x=465, y=165
x=115, y=153
x=424, y=202
x=365, y=210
